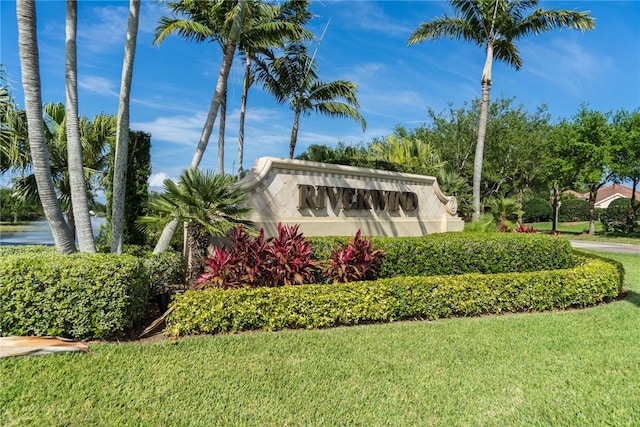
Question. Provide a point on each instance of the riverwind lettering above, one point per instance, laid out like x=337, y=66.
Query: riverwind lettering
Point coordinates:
x=310, y=197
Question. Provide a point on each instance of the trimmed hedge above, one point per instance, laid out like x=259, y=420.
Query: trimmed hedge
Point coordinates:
x=461, y=253
x=76, y=296
x=593, y=280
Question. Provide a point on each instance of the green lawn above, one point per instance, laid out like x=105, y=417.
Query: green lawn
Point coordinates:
x=578, y=230
x=8, y=227
x=559, y=368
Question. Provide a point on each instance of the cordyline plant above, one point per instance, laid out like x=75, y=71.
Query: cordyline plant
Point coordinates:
x=524, y=229
x=355, y=261
x=254, y=261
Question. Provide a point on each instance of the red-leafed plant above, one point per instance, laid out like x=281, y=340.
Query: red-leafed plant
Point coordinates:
x=355, y=261
x=524, y=229
x=254, y=261
x=240, y=265
x=290, y=258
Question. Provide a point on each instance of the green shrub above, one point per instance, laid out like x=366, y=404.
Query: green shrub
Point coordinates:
x=460, y=253
x=616, y=218
x=536, y=209
x=313, y=306
x=77, y=296
x=166, y=270
x=573, y=210
x=484, y=224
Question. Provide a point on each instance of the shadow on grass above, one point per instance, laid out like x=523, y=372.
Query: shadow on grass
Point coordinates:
x=633, y=297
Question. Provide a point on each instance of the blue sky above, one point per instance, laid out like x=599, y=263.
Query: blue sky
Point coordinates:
x=365, y=42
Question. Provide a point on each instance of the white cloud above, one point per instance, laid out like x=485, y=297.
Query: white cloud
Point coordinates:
x=184, y=130
x=97, y=84
x=370, y=16
x=156, y=180
x=106, y=28
x=564, y=62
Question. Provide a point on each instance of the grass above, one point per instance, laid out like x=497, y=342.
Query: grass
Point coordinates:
x=578, y=231
x=558, y=368
x=8, y=227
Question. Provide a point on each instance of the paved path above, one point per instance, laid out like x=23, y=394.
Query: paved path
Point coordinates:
x=624, y=248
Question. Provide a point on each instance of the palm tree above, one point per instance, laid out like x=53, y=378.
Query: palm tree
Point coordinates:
x=83, y=230
x=206, y=20
x=94, y=137
x=415, y=155
x=292, y=78
x=13, y=130
x=220, y=21
x=207, y=202
x=496, y=25
x=268, y=26
x=29, y=61
x=122, y=133
x=453, y=184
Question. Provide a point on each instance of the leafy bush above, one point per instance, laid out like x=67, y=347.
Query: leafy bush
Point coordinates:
x=573, y=210
x=536, y=209
x=484, y=224
x=355, y=261
x=254, y=261
x=166, y=270
x=617, y=217
x=460, y=253
x=505, y=212
x=77, y=296
x=313, y=306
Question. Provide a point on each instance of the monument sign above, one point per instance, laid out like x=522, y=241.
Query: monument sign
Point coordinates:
x=326, y=199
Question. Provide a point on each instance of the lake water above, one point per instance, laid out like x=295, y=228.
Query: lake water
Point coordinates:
x=40, y=233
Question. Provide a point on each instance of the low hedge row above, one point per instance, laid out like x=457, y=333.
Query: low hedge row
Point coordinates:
x=461, y=253
x=593, y=280
x=76, y=296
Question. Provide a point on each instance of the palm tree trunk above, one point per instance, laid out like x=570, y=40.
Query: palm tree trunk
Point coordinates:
x=243, y=111
x=122, y=132
x=165, y=238
x=80, y=201
x=221, y=129
x=520, y=202
x=482, y=131
x=593, y=192
x=294, y=134
x=221, y=87
x=29, y=61
x=634, y=206
x=71, y=222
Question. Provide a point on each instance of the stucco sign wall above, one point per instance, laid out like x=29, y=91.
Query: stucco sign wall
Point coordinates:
x=338, y=200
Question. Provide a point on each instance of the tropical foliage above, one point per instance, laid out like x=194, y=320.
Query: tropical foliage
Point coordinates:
x=292, y=79
x=208, y=204
x=94, y=135
x=496, y=26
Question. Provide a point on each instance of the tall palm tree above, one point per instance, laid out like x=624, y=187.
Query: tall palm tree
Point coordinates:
x=293, y=78
x=122, y=133
x=83, y=230
x=30, y=63
x=496, y=25
x=220, y=21
x=268, y=26
x=205, y=20
x=207, y=202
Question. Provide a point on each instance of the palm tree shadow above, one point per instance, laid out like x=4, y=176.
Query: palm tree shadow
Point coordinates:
x=633, y=297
